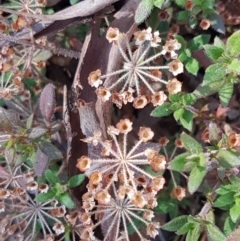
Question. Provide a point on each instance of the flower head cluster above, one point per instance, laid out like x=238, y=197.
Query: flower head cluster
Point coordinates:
x=140, y=69
x=119, y=167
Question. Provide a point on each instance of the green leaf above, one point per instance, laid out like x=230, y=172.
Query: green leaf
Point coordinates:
x=235, y=213
x=204, y=90
x=213, y=52
x=229, y=226
x=158, y=3
x=234, y=66
x=178, y=162
x=164, y=207
x=178, y=114
x=214, y=232
x=163, y=110
x=195, y=178
x=233, y=44
x=219, y=43
x=187, y=120
x=190, y=144
x=51, y=177
x=180, y=3
x=213, y=73
x=182, y=16
x=227, y=159
x=181, y=40
x=175, y=224
x=194, y=233
x=143, y=10
x=224, y=200
x=185, y=228
x=76, y=180
x=175, y=97
x=43, y=197
x=192, y=66
x=198, y=42
x=66, y=200
x=225, y=93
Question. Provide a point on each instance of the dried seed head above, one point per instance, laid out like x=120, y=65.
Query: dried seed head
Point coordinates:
x=94, y=78
x=103, y=197
x=103, y=94
x=4, y=194
x=127, y=96
x=124, y=126
x=43, y=187
x=158, y=183
x=163, y=15
x=113, y=34
x=233, y=140
x=145, y=134
x=163, y=141
x=140, y=102
x=85, y=218
x=58, y=228
x=152, y=203
x=152, y=229
x=189, y=5
x=179, y=193
x=174, y=29
x=205, y=136
x=175, y=67
x=158, y=163
x=142, y=36
x=32, y=186
x=178, y=143
x=174, y=86
x=205, y=24
x=117, y=99
x=148, y=215
x=220, y=7
x=95, y=178
x=83, y=163
x=158, y=98
x=170, y=46
x=138, y=200
x=41, y=64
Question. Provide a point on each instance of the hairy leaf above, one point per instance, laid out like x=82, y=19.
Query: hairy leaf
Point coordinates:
x=175, y=224
x=213, y=52
x=190, y=144
x=178, y=162
x=227, y=159
x=213, y=73
x=43, y=197
x=225, y=93
x=195, y=178
x=214, y=232
x=163, y=110
x=66, y=200
x=76, y=180
x=233, y=44
x=143, y=11
x=198, y=42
